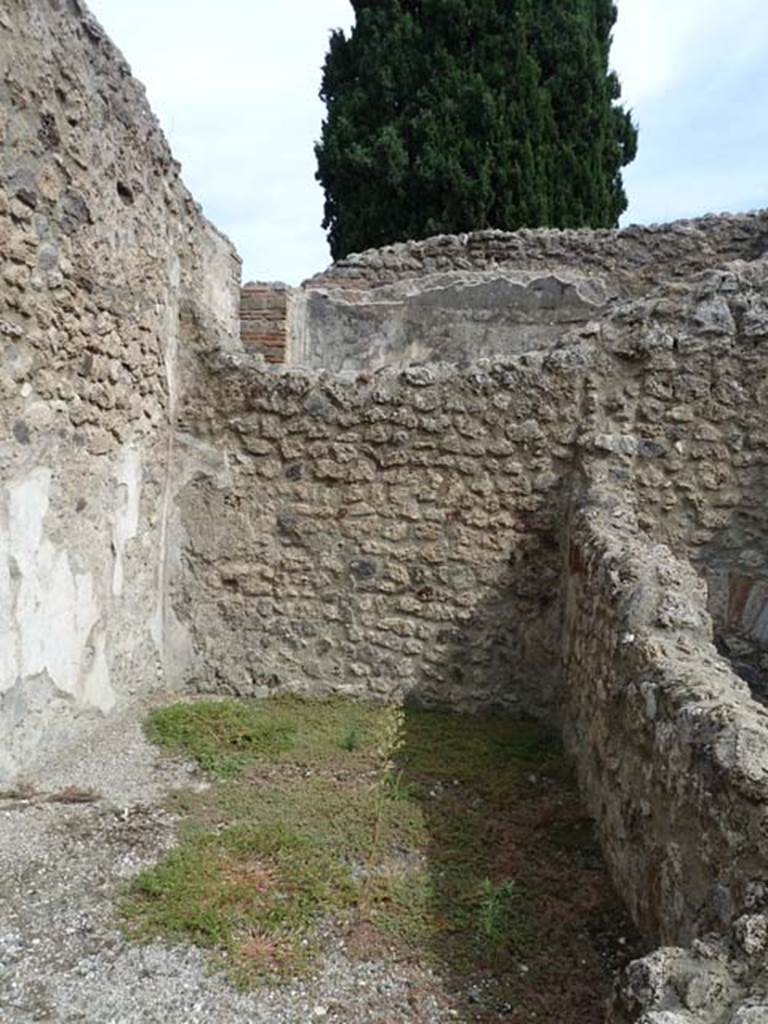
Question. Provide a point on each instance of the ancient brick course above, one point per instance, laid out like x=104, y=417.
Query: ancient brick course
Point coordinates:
x=264, y=320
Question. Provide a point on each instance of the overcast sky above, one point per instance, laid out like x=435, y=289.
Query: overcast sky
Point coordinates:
x=235, y=85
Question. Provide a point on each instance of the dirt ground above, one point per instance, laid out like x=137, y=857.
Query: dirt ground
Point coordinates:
x=83, y=826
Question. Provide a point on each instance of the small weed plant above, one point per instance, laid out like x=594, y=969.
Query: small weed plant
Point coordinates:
x=351, y=740
x=503, y=915
x=389, y=740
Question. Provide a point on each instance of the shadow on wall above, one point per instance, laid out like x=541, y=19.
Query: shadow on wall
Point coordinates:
x=520, y=916
x=735, y=566
x=505, y=654
x=281, y=599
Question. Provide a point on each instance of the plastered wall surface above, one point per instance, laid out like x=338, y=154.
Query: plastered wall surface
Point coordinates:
x=453, y=317
x=455, y=298
x=101, y=247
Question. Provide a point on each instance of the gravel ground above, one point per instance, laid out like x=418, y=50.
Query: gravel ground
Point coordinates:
x=63, y=958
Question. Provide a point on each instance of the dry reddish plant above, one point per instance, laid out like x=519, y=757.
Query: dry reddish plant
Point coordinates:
x=259, y=948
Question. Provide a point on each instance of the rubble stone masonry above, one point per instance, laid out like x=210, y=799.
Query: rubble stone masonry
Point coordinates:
x=105, y=262
x=502, y=470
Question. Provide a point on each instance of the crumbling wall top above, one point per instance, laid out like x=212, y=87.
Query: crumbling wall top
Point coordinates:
x=634, y=257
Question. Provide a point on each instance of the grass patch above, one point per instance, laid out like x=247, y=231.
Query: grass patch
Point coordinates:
x=504, y=916
x=249, y=892
x=456, y=840
x=226, y=737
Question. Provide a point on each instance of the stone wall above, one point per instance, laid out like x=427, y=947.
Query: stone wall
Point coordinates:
x=671, y=750
x=634, y=260
x=475, y=466
x=672, y=756
x=679, y=414
x=106, y=265
x=375, y=537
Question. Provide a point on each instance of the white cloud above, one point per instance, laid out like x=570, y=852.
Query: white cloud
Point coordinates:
x=693, y=72
x=235, y=86
x=660, y=43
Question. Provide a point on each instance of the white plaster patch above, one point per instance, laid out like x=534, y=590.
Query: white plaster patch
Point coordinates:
x=55, y=617
x=97, y=690
x=126, y=525
x=8, y=656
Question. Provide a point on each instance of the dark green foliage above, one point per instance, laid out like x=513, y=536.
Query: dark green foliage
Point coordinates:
x=453, y=115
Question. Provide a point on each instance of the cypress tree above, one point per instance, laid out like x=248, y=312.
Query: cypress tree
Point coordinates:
x=454, y=115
